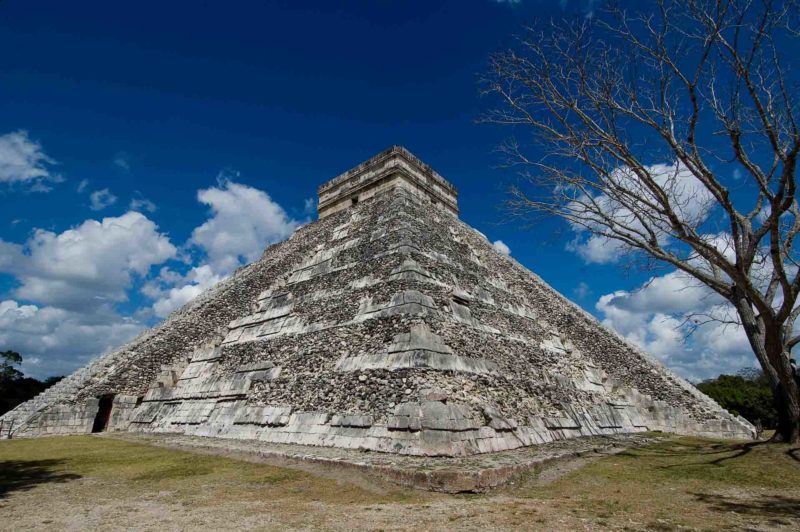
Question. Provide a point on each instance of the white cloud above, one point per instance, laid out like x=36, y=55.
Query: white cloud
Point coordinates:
x=74, y=278
x=87, y=266
x=54, y=341
x=82, y=185
x=23, y=161
x=664, y=310
x=501, y=246
x=244, y=221
x=142, y=204
x=675, y=292
x=101, y=199
x=595, y=249
x=691, y=201
x=657, y=317
x=63, y=310
x=197, y=281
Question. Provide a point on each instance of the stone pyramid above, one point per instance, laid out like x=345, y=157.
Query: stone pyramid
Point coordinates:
x=386, y=325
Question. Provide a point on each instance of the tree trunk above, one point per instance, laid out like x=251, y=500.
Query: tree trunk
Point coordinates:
x=766, y=341
x=787, y=402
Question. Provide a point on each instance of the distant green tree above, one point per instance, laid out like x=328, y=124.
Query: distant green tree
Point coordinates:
x=15, y=388
x=747, y=394
x=8, y=372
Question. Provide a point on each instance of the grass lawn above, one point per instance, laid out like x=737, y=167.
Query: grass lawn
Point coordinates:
x=85, y=482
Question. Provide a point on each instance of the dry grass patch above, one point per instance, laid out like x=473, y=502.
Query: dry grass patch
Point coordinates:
x=83, y=472
x=85, y=482
x=681, y=482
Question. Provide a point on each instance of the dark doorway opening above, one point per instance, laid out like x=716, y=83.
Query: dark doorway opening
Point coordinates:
x=103, y=414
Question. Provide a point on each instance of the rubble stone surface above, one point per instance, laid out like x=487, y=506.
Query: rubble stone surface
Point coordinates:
x=388, y=325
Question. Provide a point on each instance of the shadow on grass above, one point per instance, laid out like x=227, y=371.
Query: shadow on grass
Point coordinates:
x=765, y=506
x=794, y=454
x=740, y=450
x=21, y=475
x=704, y=451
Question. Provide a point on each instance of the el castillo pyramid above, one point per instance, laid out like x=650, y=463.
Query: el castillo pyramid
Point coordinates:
x=387, y=325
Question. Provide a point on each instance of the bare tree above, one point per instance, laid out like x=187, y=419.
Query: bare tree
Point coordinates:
x=706, y=85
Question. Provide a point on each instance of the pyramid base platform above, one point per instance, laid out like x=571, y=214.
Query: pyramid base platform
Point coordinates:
x=474, y=474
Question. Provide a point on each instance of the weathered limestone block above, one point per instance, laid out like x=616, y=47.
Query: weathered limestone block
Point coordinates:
x=272, y=416
x=496, y=420
x=411, y=270
x=352, y=421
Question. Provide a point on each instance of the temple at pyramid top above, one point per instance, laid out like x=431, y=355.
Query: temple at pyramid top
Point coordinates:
x=392, y=168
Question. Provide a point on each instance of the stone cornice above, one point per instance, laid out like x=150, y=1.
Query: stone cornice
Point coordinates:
x=394, y=151
x=395, y=161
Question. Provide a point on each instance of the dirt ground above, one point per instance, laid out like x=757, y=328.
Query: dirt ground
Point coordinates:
x=86, y=482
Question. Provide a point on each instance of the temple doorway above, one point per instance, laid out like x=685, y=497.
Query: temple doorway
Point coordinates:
x=103, y=414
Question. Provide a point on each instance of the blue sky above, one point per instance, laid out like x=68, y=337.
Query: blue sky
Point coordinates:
x=151, y=138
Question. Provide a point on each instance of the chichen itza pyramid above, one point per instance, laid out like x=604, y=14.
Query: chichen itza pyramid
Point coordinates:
x=387, y=325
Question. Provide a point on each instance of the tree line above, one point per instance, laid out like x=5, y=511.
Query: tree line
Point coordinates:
x=16, y=388
x=746, y=394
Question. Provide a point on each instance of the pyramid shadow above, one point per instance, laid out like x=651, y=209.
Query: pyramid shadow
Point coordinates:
x=23, y=475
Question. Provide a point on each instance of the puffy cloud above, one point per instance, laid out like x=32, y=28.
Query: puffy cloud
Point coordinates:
x=54, y=341
x=596, y=249
x=100, y=199
x=675, y=292
x=501, y=246
x=661, y=313
x=73, y=279
x=244, y=221
x=658, y=317
x=10, y=255
x=89, y=265
x=23, y=161
x=197, y=281
x=691, y=201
